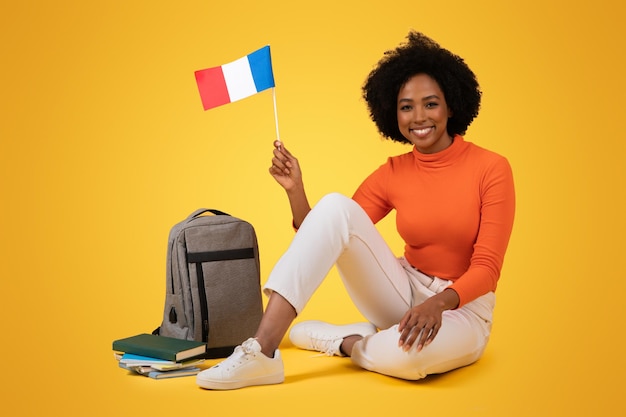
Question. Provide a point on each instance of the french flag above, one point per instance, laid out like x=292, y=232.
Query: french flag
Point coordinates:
x=236, y=80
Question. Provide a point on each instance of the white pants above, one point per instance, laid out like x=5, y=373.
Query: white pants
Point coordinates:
x=382, y=286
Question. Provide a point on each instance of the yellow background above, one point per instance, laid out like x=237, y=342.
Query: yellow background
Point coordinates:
x=104, y=146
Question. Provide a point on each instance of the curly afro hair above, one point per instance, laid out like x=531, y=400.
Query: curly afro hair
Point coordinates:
x=421, y=55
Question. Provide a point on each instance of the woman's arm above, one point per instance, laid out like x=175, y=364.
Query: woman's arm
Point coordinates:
x=286, y=171
x=497, y=212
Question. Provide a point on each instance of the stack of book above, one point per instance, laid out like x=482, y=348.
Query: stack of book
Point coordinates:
x=159, y=357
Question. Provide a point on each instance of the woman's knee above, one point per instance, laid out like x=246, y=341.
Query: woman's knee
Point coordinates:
x=334, y=201
x=333, y=208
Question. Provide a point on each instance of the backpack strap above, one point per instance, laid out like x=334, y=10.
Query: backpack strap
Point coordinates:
x=205, y=210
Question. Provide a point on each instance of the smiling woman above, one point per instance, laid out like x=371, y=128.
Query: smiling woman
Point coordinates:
x=454, y=245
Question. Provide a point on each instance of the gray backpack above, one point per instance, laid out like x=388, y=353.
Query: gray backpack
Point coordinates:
x=213, y=290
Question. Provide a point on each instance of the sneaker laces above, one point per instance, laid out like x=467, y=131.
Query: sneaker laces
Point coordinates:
x=250, y=346
x=242, y=353
x=325, y=344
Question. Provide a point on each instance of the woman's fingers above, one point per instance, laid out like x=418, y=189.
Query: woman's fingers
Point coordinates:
x=419, y=337
x=417, y=331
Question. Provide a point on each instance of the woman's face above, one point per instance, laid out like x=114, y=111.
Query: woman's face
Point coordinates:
x=423, y=114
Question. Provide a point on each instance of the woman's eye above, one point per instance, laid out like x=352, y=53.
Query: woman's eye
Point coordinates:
x=405, y=108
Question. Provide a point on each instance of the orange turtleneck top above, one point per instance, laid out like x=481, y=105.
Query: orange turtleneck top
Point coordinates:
x=454, y=211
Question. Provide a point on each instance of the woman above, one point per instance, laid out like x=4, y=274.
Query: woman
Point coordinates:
x=429, y=311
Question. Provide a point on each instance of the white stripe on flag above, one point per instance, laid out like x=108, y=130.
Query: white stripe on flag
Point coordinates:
x=238, y=77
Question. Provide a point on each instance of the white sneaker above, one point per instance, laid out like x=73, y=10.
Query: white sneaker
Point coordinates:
x=324, y=337
x=245, y=367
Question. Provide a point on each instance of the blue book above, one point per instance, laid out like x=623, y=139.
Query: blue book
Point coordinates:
x=133, y=359
x=173, y=374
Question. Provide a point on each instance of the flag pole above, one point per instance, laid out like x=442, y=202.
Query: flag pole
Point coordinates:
x=276, y=114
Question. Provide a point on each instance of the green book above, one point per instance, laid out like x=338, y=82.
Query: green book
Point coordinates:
x=160, y=347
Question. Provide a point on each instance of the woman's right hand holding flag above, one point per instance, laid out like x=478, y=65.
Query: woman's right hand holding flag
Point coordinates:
x=286, y=171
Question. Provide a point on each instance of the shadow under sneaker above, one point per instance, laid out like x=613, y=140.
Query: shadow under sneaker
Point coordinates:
x=246, y=366
x=325, y=337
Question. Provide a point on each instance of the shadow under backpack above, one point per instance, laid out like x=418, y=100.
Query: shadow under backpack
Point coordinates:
x=213, y=291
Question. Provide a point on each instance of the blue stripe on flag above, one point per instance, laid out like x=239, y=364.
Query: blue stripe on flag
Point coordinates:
x=261, y=67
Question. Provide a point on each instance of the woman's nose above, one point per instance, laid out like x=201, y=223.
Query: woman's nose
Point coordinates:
x=419, y=115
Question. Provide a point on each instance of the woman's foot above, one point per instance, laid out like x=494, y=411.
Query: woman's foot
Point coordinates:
x=245, y=367
x=325, y=337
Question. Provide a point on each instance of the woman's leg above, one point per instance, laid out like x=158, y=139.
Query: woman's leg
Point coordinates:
x=337, y=230
x=276, y=320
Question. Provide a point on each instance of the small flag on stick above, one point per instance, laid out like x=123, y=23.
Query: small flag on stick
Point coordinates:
x=236, y=80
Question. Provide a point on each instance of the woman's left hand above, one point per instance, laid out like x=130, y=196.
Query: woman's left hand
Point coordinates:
x=422, y=323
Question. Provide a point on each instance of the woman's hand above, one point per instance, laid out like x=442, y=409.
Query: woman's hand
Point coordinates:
x=285, y=168
x=422, y=323
x=286, y=171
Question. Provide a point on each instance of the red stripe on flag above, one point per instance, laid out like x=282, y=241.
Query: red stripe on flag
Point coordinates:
x=212, y=87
